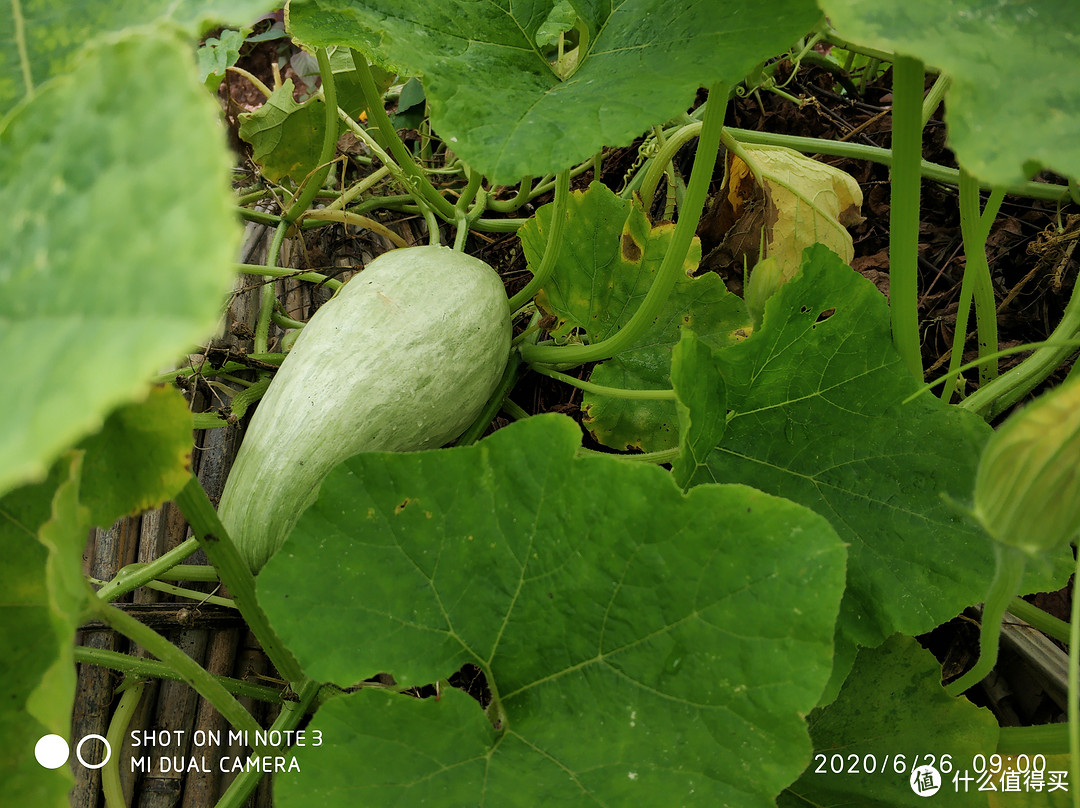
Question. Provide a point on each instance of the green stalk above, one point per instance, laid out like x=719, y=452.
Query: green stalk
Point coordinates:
x=1014, y=384
x=514, y=410
x=976, y=283
x=934, y=97
x=110, y=775
x=1074, y=691
x=315, y=179
x=133, y=576
x=259, y=216
x=974, y=236
x=191, y=594
x=860, y=151
x=402, y=156
x=1046, y=623
x=366, y=184
x=190, y=572
x=234, y=573
x=275, y=272
x=904, y=211
x=1075, y=343
x=468, y=193
x=559, y=214
x=284, y=322
x=1003, y=588
x=674, y=259
x=603, y=390
x=187, y=669
x=661, y=456
x=267, y=298
x=658, y=164
x=152, y=669
x=292, y=713
x=520, y=198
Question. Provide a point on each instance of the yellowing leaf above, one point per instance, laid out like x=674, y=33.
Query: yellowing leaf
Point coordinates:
x=798, y=201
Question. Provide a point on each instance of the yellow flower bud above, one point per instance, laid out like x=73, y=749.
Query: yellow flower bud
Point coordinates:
x=1027, y=489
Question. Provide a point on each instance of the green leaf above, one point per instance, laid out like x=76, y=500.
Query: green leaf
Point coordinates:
x=702, y=404
x=559, y=20
x=499, y=103
x=412, y=105
x=1014, y=103
x=892, y=705
x=638, y=641
x=217, y=55
x=286, y=137
x=119, y=243
x=818, y=418
x=139, y=459
x=42, y=533
x=39, y=39
x=609, y=257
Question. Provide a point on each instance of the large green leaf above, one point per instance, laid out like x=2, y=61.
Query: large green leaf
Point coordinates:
x=892, y=716
x=641, y=642
x=816, y=395
x=139, y=459
x=43, y=529
x=118, y=242
x=286, y=137
x=1014, y=103
x=499, y=102
x=609, y=256
x=39, y=38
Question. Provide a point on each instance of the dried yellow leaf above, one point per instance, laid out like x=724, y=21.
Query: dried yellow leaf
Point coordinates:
x=805, y=202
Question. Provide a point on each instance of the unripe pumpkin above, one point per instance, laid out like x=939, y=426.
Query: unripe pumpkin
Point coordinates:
x=402, y=358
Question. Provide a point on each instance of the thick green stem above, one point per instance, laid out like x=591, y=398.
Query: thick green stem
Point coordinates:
x=315, y=179
x=110, y=774
x=1046, y=623
x=267, y=298
x=934, y=97
x=604, y=390
x=151, y=669
x=1007, y=577
x=292, y=713
x=904, y=211
x=522, y=196
x=275, y=272
x=191, y=594
x=235, y=574
x=186, y=668
x=1017, y=382
x=377, y=114
x=661, y=456
x=658, y=164
x=559, y=214
x=133, y=576
x=674, y=259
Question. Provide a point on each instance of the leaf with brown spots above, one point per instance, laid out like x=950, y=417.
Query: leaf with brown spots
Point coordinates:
x=787, y=202
x=609, y=257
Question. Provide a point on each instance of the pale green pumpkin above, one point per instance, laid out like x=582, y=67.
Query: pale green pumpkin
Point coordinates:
x=402, y=358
